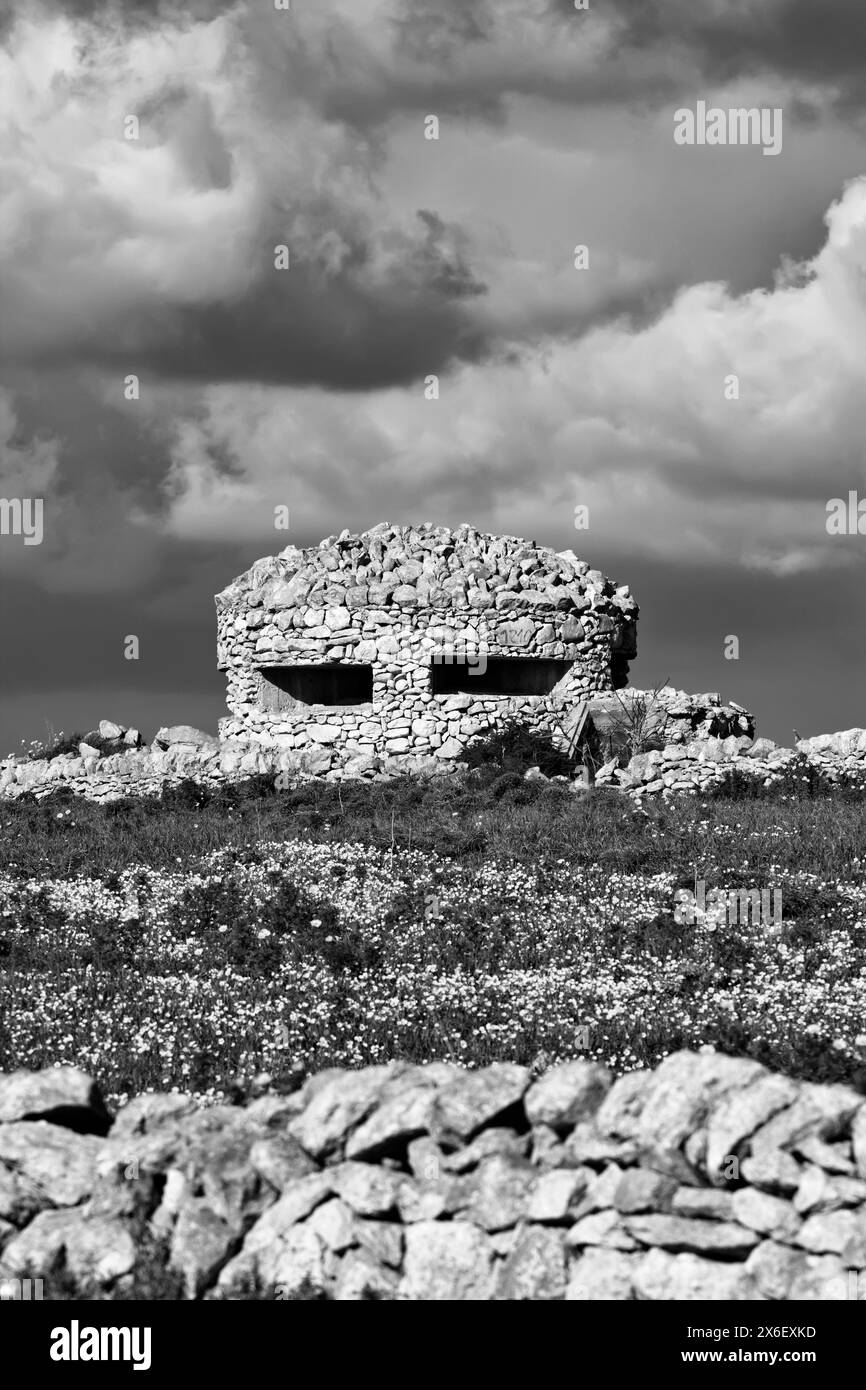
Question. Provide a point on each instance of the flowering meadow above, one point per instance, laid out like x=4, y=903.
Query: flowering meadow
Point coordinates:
x=343, y=926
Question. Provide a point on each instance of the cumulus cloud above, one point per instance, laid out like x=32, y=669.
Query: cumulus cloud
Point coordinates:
x=633, y=423
x=161, y=250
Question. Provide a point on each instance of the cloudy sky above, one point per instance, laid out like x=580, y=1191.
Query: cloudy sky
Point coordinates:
x=411, y=257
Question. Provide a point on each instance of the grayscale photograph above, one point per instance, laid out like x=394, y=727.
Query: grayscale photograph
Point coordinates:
x=432, y=670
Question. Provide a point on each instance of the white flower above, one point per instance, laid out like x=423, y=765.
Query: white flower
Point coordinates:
x=262, y=933
x=860, y=1040
x=315, y=921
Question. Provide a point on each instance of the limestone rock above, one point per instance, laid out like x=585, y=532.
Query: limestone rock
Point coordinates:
x=760, y=1211
x=62, y=1095
x=447, y=1260
x=601, y=1275
x=567, y=1094
x=535, y=1268
x=340, y=1103
x=476, y=1099
x=96, y=1251
x=57, y=1162
x=183, y=733
x=662, y=1277
x=680, y=1233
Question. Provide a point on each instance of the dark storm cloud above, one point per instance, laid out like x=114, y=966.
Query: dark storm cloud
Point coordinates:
x=296, y=332
x=354, y=329
x=811, y=41
x=131, y=12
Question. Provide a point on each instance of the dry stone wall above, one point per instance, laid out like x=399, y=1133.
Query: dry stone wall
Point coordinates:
x=402, y=600
x=678, y=768
x=707, y=1178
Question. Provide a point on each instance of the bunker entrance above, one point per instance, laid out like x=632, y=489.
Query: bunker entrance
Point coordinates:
x=333, y=683
x=497, y=675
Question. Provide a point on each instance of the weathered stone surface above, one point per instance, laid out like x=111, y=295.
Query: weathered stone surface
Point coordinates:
x=426, y=590
x=685, y=1088
x=333, y=1223
x=823, y=1111
x=447, y=1260
x=567, y=1094
x=606, y=1228
x=535, y=1268
x=62, y=1095
x=640, y=1189
x=600, y=1191
x=618, y=1116
x=280, y=1160
x=477, y=1098
x=836, y=1232
x=362, y=1278
x=55, y=1162
x=820, y=1191
x=600, y=1275
x=740, y=1113
x=556, y=1194
x=94, y=1250
x=201, y=1244
x=183, y=733
x=858, y=1140
x=483, y=1207
x=368, y=1189
x=497, y=1140
x=662, y=1277
x=828, y=1279
x=496, y=1193
x=342, y=1101
x=679, y=1233
x=774, y=1267
x=773, y=1170
x=760, y=1211
x=702, y=1201
x=586, y=1145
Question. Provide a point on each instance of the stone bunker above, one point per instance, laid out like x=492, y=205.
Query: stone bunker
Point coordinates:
x=410, y=641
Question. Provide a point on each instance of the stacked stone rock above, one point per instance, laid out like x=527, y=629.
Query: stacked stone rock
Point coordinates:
x=708, y=1178
x=703, y=764
x=671, y=716
x=676, y=769
x=397, y=597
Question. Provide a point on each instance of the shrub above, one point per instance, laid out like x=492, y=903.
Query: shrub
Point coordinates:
x=516, y=748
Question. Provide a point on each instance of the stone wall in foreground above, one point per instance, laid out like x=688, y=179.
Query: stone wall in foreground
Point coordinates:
x=708, y=1178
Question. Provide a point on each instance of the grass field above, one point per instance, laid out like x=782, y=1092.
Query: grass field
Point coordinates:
x=198, y=939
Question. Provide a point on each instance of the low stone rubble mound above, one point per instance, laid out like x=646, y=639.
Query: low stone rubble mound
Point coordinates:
x=694, y=765
x=709, y=1177
x=667, y=716
x=704, y=764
